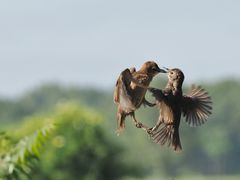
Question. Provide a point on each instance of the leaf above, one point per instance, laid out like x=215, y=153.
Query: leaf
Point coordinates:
x=11, y=168
x=26, y=151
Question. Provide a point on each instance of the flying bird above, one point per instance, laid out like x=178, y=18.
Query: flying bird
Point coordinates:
x=130, y=92
x=195, y=107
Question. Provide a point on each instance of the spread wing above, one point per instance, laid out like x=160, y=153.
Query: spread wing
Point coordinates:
x=196, y=106
x=164, y=135
x=123, y=85
x=157, y=93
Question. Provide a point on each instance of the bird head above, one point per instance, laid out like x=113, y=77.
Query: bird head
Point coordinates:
x=151, y=68
x=175, y=75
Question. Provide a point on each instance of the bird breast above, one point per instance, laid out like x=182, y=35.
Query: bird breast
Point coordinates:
x=126, y=104
x=139, y=94
x=166, y=113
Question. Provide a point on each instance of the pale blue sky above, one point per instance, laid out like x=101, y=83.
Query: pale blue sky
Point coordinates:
x=88, y=42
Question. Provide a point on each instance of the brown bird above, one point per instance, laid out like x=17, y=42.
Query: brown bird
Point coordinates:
x=195, y=107
x=130, y=92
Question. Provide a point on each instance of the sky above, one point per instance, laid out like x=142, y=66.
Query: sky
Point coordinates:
x=89, y=42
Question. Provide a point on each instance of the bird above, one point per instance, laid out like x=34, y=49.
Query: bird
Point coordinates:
x=130, y=90
x=195, y=106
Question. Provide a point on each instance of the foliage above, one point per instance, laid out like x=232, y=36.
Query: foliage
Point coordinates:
x=211, y=149
x=44, y=99
x=78, y=147
x=19, y=159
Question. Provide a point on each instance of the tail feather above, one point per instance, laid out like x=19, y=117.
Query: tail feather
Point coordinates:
x=176, y=143
x=167, y=135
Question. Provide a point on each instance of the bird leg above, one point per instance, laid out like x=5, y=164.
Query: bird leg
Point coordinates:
x=139, y=124
x=120, y=122
x=154, y=128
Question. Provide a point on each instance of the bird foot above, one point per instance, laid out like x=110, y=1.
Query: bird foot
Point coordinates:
x=150, y=131
x=139, y=125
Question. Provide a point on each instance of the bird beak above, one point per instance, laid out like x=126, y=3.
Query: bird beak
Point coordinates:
x=163, y=70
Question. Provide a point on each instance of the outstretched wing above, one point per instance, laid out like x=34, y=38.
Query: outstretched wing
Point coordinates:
x=164, y=135
x=196, y=106
x=157, y=93
x=123, y=85
x=168, y=135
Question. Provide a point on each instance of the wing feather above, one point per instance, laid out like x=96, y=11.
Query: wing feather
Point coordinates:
x=196, y=106
x=123, y=85
x=116, y=92
x=164, y=135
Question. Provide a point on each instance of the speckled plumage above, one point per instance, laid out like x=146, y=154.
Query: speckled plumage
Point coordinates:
x=130, y=91
x=195, y=107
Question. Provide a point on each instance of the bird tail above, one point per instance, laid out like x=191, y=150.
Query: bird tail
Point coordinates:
x=168, y=135
x=120, y=123
x=176, y=143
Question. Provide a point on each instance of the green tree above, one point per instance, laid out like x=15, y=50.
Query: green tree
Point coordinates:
x=79, y=148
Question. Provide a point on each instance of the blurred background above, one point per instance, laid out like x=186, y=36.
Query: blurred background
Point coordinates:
x=59, y=61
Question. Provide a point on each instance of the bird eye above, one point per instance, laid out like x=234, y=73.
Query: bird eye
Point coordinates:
x=154, y=68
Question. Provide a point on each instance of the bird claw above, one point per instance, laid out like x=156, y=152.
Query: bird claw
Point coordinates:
x=149, y=131
x=139, y=125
